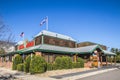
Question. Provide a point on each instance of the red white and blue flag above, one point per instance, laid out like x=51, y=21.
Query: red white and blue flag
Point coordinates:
x=43, y=21
x=22, y=34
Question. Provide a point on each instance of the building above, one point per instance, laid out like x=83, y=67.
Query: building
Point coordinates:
x=50, y=45
x=87, y=43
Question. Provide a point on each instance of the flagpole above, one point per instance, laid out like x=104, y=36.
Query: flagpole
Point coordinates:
x=47, y=23
x=24, y=41
x=23, y=37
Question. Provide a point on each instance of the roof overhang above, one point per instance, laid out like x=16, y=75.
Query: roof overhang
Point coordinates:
x=62, y=50
x=108, y=53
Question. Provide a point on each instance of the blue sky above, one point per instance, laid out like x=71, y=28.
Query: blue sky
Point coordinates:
x=85, y=20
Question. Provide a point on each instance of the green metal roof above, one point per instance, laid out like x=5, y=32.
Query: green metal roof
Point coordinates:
x=53, y=48
x=59, y=49
x=108, y=53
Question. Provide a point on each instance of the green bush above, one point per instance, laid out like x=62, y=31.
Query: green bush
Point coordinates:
x=37, y=65
x=63, y=63
x=20, y=67
x=54, y=66
x=76, y=65
x=118, y=58
x=67, y=62
x=81, y=61
x=58, y=63
x=27, y=63
x=49, y=66
x=16, y=60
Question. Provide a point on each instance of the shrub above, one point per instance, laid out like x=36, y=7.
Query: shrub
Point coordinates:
x=54, y=66
x=16, y=60
x=58, y=63
x=67, y=62
x=81, y=61
x=76, y=65
x=27, y=63
x=49, y=66
x=20, y=67
x=37, y=65
x=118, y=58
x=63, y=63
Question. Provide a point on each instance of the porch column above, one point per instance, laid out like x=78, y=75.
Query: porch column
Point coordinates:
x=75, y=58
x=101, y=60
x=115, y=60
x=111, y=59
x=23, y=57
x=0, y=60
x=106, y=61
x=31, y=55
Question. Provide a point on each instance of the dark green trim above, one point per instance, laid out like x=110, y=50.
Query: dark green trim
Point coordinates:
x=44, y=50
x=27, y=51
x=85, y=53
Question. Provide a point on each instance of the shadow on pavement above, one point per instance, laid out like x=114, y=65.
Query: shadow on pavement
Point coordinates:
x=7, y=77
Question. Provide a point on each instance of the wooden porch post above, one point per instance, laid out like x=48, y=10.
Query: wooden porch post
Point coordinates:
x=106, y=61
x=0, y=60
x=75, y=58
x=31, y=55
x=115, y=60
x=23, y=57
x=101, y=60
x=111, y=60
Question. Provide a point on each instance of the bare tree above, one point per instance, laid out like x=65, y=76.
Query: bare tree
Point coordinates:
x=6, y=35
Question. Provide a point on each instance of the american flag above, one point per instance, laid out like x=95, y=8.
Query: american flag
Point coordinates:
x=22, y=34
x=43, y=21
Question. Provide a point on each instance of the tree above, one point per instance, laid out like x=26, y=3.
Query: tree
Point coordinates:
x=112, y=50
x=2, y=51
x=6, y=35
x=117, y=51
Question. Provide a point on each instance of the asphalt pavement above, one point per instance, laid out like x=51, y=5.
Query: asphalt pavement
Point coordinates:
x=84, y=72
x=111, y=75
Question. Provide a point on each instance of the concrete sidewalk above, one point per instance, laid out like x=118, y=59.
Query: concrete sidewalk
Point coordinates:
x=16, y=75
x=72, y=76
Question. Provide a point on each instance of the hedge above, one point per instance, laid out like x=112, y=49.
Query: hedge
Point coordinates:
x=27, y=63
x=20, y=67
x=64, y=62
x=76, y=65
x=37, y=65
x=16, y=60
x=50, y=66
x=118, y=58
x=81, y=61
x=79, y=64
